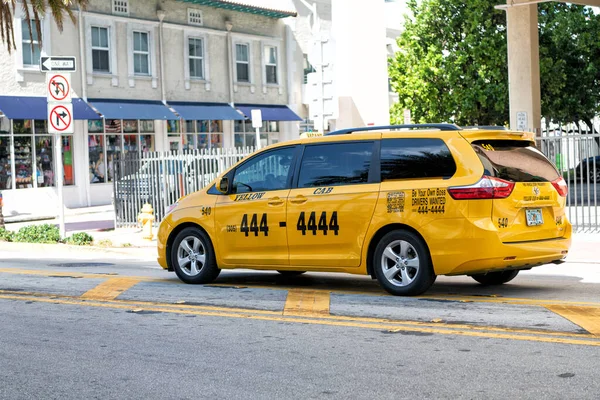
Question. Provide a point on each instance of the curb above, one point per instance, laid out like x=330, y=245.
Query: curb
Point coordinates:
x=16, y=220
x=140, y=253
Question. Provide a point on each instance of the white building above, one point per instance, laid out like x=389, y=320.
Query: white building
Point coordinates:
x=363, y=35
x=151, y=76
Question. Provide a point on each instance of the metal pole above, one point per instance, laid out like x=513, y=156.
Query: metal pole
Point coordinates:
x=258, y=138
x=59, y=185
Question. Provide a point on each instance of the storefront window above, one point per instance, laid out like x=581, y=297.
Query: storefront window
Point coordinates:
x=146, y=126
x=203, y=134
x=130, y=144
x=67, y=156
x=5, y=161
x=147, y=143
x=23, y=165
x=44, y=160
x=113, y=146
x=173, y=126
x=130, y=126
x=96, y=126
x=96, y=153
x=34, y=155
x=245, y=135
x=121, y=137
x=21, y=126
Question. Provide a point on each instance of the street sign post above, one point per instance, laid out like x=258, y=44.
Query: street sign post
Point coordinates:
x=60, y=115
x=58, y=64
x=257, y=124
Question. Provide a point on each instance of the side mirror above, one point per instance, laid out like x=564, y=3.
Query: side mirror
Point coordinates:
x=223, y=185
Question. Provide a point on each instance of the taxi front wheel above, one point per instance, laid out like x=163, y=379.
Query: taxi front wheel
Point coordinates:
x=193, y=257
x=495, y=278
x=402, y=264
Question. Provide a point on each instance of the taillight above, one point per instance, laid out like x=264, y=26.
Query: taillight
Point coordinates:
x=488, y=187
x=561, y=187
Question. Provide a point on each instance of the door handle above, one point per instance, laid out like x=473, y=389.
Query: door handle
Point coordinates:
x=298, y=199
x=275, y=201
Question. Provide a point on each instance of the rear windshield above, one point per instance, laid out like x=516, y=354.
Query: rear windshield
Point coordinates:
x=515, y=161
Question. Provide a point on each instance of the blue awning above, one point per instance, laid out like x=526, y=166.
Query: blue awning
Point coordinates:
x=269, y=112
x=22, y=107
x=132, y=109
x=201, y=111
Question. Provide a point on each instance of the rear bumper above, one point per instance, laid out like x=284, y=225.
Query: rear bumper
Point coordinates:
x=479, y=249
x=517, y=256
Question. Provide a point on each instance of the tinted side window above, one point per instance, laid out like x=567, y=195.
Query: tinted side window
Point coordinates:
x=267, y=171
x=415, y=158
x=335, y=164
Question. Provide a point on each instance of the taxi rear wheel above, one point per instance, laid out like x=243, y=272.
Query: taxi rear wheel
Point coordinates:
x=402, y=264
x=495, y=278
x=290, y=273
x=193, y=257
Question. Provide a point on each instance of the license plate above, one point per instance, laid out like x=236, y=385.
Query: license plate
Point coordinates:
x=534, y=217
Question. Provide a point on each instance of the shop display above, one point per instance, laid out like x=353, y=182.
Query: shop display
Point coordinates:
x=5, y=163
x=23, y=167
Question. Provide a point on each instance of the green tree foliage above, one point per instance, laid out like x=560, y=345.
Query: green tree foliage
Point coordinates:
x=34, y=10
x=452, y=63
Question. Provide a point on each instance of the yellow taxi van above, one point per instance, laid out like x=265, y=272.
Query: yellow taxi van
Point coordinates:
x=401, y=203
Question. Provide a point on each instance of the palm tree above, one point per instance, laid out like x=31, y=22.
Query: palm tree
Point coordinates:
x=34, y=10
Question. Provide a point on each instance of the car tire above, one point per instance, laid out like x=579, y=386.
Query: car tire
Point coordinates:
x=290, y=273
x=402, y=264
x=594, y=175
x=193, y=257
x=495, y=278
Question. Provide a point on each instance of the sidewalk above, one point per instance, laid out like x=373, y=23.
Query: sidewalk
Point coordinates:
x=99, y=222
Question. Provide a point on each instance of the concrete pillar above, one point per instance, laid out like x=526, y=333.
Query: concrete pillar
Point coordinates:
x=360, y=64
x=523, y=67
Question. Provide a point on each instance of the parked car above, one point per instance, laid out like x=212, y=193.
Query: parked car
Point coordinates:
x=402, y=206
x=587, y=170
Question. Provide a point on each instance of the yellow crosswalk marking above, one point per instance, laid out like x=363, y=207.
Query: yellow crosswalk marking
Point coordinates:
x=306, y=302
x=586, y=317
x=110, y=289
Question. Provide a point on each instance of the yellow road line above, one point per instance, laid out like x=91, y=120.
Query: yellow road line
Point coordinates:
x=584, y=340
x=368, y=291
x=211, y=309
x=306, y=302
x=110, y=289
x=586, y=317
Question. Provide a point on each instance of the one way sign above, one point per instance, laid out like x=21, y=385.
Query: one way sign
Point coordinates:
x=60, y=118
x=57, y=64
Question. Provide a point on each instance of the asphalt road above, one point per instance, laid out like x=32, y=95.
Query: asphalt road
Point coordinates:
x=100, y=326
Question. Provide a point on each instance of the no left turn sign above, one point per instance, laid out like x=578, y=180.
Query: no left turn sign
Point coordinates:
x=60, y=118
x=59, y=87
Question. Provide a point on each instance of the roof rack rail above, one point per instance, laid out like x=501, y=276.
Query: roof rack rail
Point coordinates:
x=441, y=127
x=495, y=127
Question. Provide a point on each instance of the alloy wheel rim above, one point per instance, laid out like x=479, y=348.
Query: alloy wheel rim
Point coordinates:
x=191, y=256
x=400, y=263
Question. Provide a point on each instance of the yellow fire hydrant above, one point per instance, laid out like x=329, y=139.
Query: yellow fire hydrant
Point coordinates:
x=146, y=218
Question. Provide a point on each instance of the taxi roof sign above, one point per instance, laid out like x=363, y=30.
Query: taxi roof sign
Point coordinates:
x=306, y=135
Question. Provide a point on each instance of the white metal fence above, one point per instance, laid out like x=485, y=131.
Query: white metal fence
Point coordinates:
x=160, y=179
x=575, y=150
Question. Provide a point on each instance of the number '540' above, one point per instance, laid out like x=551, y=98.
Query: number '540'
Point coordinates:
x=321, y=226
